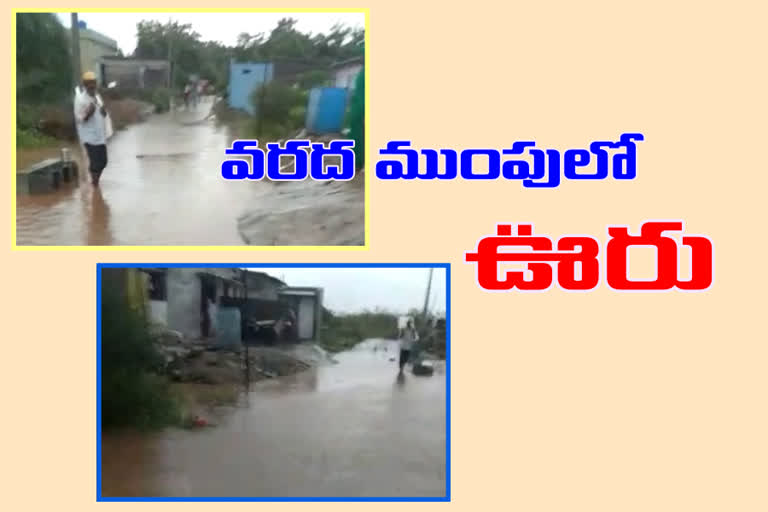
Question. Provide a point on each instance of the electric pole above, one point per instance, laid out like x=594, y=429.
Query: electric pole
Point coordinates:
x=170, y=57
x=244, y=309
x=75, y=48
x=426, y=299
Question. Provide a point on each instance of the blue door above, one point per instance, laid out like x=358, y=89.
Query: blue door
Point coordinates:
x=326, y=109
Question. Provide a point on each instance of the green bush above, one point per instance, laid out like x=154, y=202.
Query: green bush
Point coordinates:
x=132, y=394
x=277, y=108
x=342, y=332
x=140, y=400
x=31, y=138
x=27, y=116
x=434, y=340
x=43, y=62
x=161, y=99
x=315, y=78
x=297, y=116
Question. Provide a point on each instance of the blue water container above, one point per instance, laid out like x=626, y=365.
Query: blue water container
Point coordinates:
x=228, y=328
x=326, y=109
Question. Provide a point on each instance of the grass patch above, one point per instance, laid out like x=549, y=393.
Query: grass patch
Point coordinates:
x=133, y=394
x=342, y=332
x=30, y=138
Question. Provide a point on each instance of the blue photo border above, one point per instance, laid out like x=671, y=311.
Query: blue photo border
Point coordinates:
x=446, y=266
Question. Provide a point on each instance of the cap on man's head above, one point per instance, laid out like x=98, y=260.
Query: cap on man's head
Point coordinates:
x=89, y=76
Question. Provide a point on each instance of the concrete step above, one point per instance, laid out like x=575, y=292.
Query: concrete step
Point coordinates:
x=45, y=176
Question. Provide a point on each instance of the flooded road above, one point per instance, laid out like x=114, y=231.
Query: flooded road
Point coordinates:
x=349, y=429
x=163, y=186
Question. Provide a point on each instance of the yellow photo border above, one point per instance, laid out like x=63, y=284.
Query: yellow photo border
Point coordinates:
x=366, y=221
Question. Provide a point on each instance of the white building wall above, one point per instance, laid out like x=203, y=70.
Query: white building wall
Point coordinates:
x=345, y=77
x=213, y=313
x=93, y=46
x=184, y=290
x=306, y=318
x=158, y=312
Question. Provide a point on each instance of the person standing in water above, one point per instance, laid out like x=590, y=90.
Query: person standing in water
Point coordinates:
x=193, y=94
x=187, y=92
x=407, y=340
x=90, y=118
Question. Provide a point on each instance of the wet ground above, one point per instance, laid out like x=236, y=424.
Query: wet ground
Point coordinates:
x=163, y=186
x=348, y=429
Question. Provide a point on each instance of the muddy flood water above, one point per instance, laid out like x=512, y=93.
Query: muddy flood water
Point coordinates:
x=163, y=186
x=347, y=429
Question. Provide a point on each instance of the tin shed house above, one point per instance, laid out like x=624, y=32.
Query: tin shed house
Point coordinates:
x=188, y=299
x=135, y=73
x=326, y=109
x=93, y=46
x=244, y=78
x=345, y=72
x=307, y=303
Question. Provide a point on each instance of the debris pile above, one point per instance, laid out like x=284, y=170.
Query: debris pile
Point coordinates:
x=267, y=362
x=197, y=362
x=423, y=370
x=312, y=354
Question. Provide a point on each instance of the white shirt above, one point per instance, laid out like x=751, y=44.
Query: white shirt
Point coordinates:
x=410, y=336
x=93, y=131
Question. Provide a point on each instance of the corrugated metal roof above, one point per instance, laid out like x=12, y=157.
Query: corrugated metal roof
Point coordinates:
x=347, y=62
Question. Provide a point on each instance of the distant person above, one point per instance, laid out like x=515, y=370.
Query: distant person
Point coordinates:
x=193, y=94
x=407, y=340
x=187, y=92
x=212, y=313
x=91, y=121
x=292, y=327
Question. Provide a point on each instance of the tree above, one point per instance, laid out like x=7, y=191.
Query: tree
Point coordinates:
x=155, y=40
x=43, y=61
x=280, y=108
x=132, y=394
x=313, y=78
x=210, y=60
x=285, y=42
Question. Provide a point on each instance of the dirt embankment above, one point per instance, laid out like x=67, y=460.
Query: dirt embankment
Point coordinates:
x=58, y=121
x=58, y=124
x=207, y=366
x=199, y=362
x=204, y=379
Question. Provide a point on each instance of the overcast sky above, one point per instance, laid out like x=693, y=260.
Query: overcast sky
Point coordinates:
x=223, y=27
x=357, y=289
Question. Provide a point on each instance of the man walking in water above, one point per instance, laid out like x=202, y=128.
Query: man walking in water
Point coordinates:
x=90, y=117
x=407, y=340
